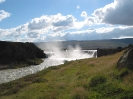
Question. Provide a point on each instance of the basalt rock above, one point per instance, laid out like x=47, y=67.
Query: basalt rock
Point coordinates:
x=104, y=52
x=12, y=52
x=126, y=60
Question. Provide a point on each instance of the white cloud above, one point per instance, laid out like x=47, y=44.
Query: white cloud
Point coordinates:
x=13, y=33
x=123, y=37
x=60, y=27
x=21, y=33
x=105, y=30
x=79, y=24
x=55, y=22
x=33, y=35
x=118, y=12
x=67, y=21
x=78, y=7
x=91, y=20
x=39, y=23
x=84, y=14
x=44, y=25
x=4, y=14
x=94, y=34
x=2, y=1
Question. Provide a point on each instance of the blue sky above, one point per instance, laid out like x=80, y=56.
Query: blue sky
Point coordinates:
x=48, y=20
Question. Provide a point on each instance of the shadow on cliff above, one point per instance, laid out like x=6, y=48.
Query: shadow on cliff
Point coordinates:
x=17, y=52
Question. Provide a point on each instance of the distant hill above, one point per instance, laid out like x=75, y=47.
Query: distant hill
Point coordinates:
x=87, y=44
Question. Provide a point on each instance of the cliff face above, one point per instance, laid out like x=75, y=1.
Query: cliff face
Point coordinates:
x=104, y=52
x=17, y=52
x=126, y=60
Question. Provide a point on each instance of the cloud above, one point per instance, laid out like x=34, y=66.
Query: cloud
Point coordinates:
x=22, y=33
x=84, y=14
x=60, y=27
x=2, y=1
x=54, y=22
x=68, y=21
x=44, y=26
x=39, y=23
x=91, y=20
x=33, y=35
x=13, y=34
x=78, y=7
x=95, y=34
x=118, y=12
x=4, y=14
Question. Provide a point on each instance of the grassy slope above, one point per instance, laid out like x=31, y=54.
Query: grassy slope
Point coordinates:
x=95, y=78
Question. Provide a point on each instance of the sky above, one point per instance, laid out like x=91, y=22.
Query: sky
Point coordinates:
x=62, y=20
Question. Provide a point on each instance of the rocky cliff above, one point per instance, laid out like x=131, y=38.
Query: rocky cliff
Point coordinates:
x=104, y=52
x=126, y=59
x=16, y=52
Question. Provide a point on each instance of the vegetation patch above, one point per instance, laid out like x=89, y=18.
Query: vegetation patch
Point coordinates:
x=120, y=74
x=11, y=88
x=97, y=80
x=77, y=96
x=108, y=90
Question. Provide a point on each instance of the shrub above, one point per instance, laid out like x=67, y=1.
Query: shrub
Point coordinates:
x=108, y=90
x=77, y=96
x=124, y=73
x=119, y=75
x=39, y=80
x=126, y=96
x=97, y=80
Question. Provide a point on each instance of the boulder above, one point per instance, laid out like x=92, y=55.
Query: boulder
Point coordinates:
x=126, y=60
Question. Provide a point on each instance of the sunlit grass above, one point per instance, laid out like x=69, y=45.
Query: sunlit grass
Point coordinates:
x=96, y=78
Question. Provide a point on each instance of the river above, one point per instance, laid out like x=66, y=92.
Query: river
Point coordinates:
x=54, y=60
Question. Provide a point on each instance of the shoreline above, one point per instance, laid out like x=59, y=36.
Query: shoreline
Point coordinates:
x=16, y=65
x=2, y=67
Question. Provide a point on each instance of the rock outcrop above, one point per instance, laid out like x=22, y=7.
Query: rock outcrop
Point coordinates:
x=104, y=52
x=127, y=59
x=11, y=52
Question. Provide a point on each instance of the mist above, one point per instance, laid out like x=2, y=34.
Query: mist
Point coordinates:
x=56, y=55
x=57, y=51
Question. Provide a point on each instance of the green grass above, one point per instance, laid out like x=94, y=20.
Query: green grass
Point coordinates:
x=96, y=78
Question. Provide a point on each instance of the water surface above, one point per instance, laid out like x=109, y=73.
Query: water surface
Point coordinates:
x=12, y=74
